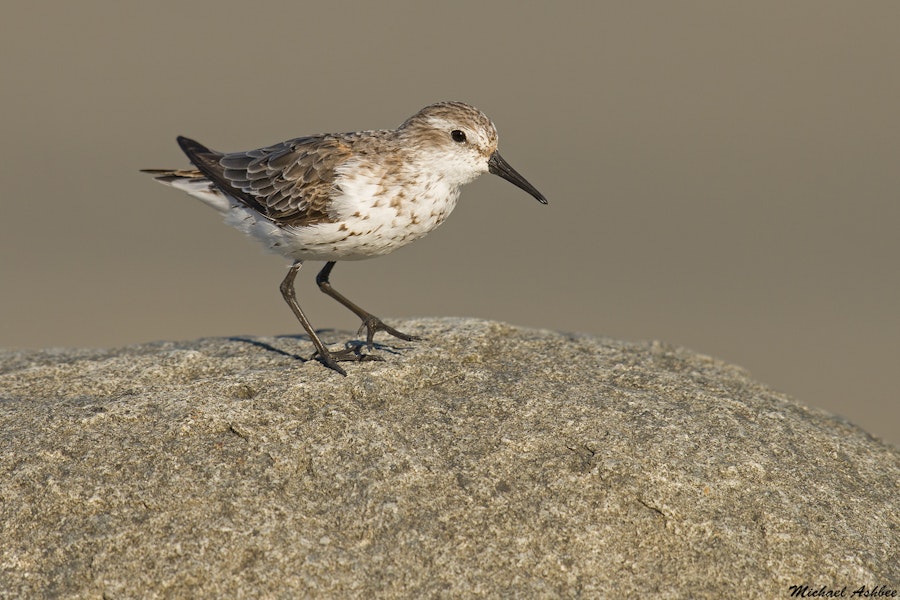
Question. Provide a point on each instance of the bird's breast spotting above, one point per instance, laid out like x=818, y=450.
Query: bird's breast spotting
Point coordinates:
x=371, y=215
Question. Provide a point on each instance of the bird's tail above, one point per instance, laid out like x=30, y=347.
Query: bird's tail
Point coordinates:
x=194, y=183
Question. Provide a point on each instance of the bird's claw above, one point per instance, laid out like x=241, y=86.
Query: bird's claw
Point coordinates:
x=373, y=324
x=331, y=358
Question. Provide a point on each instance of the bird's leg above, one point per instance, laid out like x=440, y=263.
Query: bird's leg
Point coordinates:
x=328, y=358
x=370, y=322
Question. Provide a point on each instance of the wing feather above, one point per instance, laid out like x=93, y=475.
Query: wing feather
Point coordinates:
x=291, y=183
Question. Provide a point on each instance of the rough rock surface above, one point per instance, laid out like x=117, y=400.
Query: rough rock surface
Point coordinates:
x=488, y=460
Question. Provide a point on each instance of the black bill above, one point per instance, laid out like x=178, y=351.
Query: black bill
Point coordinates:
x=498, y=166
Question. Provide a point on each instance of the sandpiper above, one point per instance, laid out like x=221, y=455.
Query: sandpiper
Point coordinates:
x=347, y=196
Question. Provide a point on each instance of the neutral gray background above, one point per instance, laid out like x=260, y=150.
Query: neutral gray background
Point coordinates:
x=722, y=175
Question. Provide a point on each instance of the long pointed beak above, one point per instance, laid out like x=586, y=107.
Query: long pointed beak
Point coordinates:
x=498, y=166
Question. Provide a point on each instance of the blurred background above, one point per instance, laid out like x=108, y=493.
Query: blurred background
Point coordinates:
x=722, y=175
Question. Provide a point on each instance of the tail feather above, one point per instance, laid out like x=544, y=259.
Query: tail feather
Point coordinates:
x=193, y=182
x=170, y=175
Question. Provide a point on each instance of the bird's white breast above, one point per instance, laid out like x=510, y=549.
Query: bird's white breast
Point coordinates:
x=373, y=215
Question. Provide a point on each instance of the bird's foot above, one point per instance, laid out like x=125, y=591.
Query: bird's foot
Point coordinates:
x=371, y=324
x=331, y=358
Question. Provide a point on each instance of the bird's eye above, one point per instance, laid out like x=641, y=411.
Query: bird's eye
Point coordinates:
x=458, y=136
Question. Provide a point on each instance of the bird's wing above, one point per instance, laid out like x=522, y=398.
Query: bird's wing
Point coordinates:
x=290, y=183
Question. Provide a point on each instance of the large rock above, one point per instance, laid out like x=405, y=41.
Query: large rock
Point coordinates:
x=488, y=460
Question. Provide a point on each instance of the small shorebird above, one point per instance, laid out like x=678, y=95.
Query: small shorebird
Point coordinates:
x=347, y=196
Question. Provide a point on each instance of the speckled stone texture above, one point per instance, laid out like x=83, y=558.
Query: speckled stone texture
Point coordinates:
x=488, y=460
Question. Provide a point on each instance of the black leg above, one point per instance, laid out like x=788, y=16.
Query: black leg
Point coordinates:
x=370, y=322
x=328, y=358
